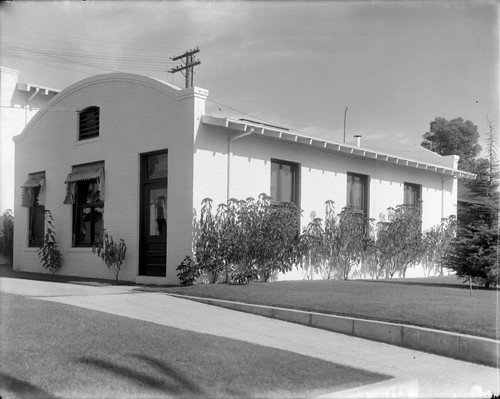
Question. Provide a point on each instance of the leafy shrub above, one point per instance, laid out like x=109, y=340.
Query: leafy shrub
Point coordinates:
x=49, y=255
x=208, y=251
x=436, y=243
x=335, y=248
x=399, y=240
x=244, y=276
x=247, y=239
x=350, y=240
x=7, y=234
x=188, y=271
x=112, y=253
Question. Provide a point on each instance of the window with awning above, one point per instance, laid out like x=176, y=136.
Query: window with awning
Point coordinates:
x=35, y=184
x=90, y=173
x=85, y=191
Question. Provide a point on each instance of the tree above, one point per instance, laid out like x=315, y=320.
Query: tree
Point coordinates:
x=453, y=137
x=473, y=254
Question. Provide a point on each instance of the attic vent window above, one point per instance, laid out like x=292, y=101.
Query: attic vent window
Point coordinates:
x=89, y=123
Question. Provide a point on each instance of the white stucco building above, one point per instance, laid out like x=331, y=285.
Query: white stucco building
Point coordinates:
x=137, y=156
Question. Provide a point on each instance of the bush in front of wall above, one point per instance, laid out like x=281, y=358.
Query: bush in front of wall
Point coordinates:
x=7, y=234
x=245, y=240
x=48, y=254
x=188, y=271
x=112, y=253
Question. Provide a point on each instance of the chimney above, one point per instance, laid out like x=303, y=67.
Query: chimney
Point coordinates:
x=358, y=140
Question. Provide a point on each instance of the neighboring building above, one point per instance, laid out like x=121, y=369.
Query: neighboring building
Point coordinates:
x=137, y=156
x=19, y=102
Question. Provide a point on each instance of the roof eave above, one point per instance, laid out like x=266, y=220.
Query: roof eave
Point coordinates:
x=300, y=138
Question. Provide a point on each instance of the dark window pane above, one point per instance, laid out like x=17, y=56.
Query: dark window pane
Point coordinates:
x=412, y=193
x=88, y=213
x=83, y=228
x=37, y=223
x=157, y=166
x=36, y=219
x=158, y=212
x=275, y=169
x=284, y=182
x=357, y=192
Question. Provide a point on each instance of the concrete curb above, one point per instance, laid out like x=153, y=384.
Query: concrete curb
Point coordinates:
x=393, y=388
x=480, y=350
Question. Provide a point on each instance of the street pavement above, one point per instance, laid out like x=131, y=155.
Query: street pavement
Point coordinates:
x=435, y=376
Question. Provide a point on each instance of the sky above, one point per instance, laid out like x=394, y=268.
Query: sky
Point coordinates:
x=395, y=65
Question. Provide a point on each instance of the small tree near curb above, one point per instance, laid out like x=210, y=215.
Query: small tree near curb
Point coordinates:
x=48, y=254
x=111, y=253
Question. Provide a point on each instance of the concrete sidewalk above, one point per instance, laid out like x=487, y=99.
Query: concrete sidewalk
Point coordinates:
x=434, y=376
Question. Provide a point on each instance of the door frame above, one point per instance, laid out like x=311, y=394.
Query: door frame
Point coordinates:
x=144, y=185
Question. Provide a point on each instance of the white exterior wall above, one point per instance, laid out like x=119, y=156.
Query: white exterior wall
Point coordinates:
x=137, y=115
x=323, y=177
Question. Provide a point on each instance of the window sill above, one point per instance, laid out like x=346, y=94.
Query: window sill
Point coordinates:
x=31, y=249
x=88, y=141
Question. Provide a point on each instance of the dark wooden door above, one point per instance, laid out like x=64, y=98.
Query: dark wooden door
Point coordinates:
x=153, y=251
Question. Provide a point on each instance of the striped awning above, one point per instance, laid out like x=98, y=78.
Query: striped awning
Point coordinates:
x=34, y=180
x=85, y=173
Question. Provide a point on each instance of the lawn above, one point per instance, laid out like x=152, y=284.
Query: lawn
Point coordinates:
x=443, y=303
x=51, y=350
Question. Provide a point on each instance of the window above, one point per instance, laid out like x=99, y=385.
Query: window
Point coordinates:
x=85, y=191
x=357, y=192
x=33, y=198
x=284, y=181
x=412, y=193
x=89, y=123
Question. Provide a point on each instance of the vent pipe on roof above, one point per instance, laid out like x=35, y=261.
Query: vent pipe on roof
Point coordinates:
x=358, y=140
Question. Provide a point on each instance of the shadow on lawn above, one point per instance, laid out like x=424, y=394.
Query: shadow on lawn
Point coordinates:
x=457, y=285
x=171, y=381
x=24, y=389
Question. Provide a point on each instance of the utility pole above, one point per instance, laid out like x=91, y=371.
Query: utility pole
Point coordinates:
x=189, y=62
x=345, y=115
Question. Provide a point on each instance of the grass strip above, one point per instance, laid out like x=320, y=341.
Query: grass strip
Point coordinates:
x=442, y=303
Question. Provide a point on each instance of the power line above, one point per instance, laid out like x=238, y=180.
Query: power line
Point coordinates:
x=61, y=58
x=89, y=56
x=56, y=109
x=82, y=39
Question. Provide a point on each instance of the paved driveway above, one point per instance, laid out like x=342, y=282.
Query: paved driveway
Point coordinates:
x=437, y=376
